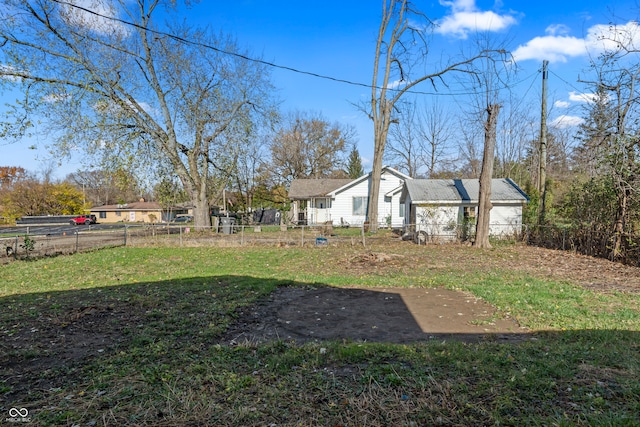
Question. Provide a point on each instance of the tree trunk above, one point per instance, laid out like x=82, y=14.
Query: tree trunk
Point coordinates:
x=374, y=191
x=381, y=130
x=198, y=186
x=486, y=173
x=618, y=229
x=201, y=218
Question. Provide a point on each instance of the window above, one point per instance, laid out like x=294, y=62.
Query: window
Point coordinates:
x=469, y=211
x=118, y=213
x=401, y=212
x=360, y=205
x=103, y=214
x=321, y=203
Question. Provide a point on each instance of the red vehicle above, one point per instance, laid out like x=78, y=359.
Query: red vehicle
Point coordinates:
x=83, y=219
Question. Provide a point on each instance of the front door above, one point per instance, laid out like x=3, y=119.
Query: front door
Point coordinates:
x=322, y=210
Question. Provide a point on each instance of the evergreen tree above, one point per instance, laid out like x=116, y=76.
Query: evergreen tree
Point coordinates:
x=354, y=167
x=596, y=135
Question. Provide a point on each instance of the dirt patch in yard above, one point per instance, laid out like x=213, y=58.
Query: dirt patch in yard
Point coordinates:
x=403, y=315
x=393, y=315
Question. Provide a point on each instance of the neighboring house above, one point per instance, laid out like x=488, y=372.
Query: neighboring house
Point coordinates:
x=345, y=201
x=447, y=208
x=139, y=211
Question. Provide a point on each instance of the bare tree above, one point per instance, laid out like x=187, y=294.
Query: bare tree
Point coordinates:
x=308, y=146
x=115, y=82
x=102, y=187
x=399, y=63
x=435, y=131
x=613, y=130
x=248, y=169
x=405, y=150
x=470, y=147
x=419, y=140
x=515, y=131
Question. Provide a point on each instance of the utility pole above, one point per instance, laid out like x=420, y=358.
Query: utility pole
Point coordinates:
x=542, y=173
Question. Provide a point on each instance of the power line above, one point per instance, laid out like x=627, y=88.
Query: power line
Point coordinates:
x=566, y=82
x=260, y=61
x=533, y=80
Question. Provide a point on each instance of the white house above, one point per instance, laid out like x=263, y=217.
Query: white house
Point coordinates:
x=446, y=209
x=340, y=201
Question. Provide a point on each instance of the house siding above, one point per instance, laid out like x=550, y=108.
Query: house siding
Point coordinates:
x=388, y=207
x=505, y=220
x=437, y=207
x=439, y=222
x=342, y=205
x=397, y=221
x=127, y=216
x=340, y=194
x=141, y=211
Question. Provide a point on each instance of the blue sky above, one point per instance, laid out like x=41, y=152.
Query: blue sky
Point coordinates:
x=337, y=39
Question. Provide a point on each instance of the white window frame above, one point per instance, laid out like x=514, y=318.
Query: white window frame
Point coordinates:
x=362, y=209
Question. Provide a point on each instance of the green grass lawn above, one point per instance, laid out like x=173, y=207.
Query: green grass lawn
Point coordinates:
x=159, y=361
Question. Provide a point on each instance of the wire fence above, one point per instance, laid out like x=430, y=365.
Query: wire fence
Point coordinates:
x=37, y=242
x=28, y=244
x=243, y=235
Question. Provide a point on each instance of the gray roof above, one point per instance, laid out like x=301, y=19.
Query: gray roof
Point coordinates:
x=501, y=189
x=307, y=188
x=461, y=190
x=432, y=190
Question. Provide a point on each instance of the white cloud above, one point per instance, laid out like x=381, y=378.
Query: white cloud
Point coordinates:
x=148, y=108
x=465, y=17
x=55, y=98
x=459, y=5
x=551, y=48
x=557, y=30
x=7, y=72
x=582, y=97
x=563, y=122
x=557, y=46
x=109, y=107
x=574, y=97
x=396, y=84
x=97, y=22
x=610, y=37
